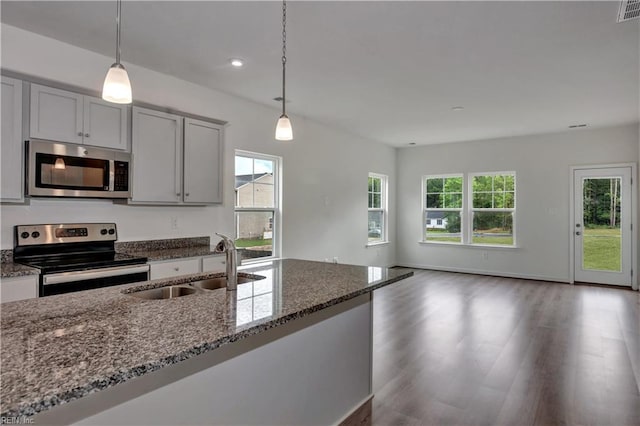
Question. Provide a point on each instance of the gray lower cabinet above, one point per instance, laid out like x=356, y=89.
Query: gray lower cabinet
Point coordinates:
x=60, y=115
x=176, y=160
x=18, y=288
x=12, y=189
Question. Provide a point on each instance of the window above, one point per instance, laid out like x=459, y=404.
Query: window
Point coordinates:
x=443, y=208
x=377, y=215
x=257, y=202
x=493, y=207
x=488, y=218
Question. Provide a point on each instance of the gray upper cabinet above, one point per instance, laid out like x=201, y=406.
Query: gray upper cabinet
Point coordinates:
x=157, y=157
x=64, y=116
x=202, y=162
x=12, y=185
x=176, y=160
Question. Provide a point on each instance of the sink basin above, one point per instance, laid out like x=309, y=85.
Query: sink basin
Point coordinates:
x=169, y=292
x=219, y=282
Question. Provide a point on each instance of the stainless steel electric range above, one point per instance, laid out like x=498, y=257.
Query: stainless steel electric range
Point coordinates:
x=76, y=256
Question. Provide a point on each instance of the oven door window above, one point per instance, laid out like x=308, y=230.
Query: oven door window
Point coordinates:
x=63, y=172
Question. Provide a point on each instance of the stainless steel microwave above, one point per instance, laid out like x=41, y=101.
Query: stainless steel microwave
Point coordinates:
x=57, y=169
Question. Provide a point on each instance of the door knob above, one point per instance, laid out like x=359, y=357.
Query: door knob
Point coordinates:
x=577, y=232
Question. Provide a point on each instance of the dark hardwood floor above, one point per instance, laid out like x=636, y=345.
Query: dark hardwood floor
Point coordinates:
x=457, y=349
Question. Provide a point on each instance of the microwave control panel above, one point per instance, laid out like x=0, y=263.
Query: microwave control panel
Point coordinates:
x=121, y=176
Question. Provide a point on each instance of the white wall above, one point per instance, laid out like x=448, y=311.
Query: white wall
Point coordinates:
x=542, y=165
x=325, y=170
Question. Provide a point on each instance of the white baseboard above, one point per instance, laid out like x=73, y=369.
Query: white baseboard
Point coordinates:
x=492, y=273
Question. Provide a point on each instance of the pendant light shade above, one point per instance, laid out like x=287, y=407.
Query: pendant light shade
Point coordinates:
x=284, y=131
x=117, y=87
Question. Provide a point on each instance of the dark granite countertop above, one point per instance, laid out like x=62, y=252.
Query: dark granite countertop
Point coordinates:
x=60, y=348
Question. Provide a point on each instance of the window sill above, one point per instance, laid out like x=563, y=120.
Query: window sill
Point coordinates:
x=482, y=246
x=377, y=243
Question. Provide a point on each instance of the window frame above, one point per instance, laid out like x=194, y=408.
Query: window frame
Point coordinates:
x=426, y=209
x=276, y=240
x=384, y=208
x=467, y=210
x=472, y=210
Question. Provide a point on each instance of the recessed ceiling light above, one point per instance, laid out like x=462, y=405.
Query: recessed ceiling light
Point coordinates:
x=457, y=108
x=236, y=62
x=575, y=126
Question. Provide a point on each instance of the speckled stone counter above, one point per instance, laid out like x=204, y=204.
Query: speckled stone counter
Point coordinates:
x=10, y=269
x=175, y=248
x=60, y=348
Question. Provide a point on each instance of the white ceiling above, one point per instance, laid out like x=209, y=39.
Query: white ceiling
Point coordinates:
x=389, y=71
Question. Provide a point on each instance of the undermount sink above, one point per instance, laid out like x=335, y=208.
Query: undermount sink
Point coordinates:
x=219, y=282
x=169, y=292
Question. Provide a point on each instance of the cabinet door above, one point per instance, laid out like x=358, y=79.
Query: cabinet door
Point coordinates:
x=174, y=268
x=18, y=288
x=56, y=114
x=202, y=162
x=105, y=123
x=157, y=157
x=12, y=185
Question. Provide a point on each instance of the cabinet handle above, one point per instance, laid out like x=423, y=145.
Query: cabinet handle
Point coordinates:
x=79, y=133
x=86, y=135
x=176, y=269
x=186, y=195
x=178, y=194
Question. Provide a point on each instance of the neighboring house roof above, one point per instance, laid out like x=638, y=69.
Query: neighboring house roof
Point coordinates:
x=436, y=215
x=242, y=180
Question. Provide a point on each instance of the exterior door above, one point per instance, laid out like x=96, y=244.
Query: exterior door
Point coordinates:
x=602, y=226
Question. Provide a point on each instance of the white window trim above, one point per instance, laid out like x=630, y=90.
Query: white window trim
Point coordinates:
x=276, y=251
x=467, y=210
x=384, y=195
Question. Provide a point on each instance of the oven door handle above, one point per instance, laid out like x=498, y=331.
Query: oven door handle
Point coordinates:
x=67, y=277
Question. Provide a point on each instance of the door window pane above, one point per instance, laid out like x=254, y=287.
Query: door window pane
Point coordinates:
x=602, y=238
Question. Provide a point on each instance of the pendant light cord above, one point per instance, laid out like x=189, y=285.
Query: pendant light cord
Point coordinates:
x=118, y=10
x=284, y=51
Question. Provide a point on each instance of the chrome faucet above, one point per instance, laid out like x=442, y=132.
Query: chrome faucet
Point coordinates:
x=231, y=262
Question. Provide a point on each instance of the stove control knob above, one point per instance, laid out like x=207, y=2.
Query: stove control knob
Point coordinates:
x=25, y=235
x=103, y=232
x=112, y=231
x=35, y=234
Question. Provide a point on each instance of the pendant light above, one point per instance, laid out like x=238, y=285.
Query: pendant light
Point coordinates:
x=117, y=88
x=284, y=132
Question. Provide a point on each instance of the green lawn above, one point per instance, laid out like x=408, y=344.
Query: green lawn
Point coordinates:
x=601, y=249
x=246, y=242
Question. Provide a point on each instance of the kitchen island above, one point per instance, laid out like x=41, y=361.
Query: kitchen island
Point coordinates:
x=293, y=347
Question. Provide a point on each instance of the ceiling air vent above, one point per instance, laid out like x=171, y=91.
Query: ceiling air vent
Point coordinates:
x=629, y=9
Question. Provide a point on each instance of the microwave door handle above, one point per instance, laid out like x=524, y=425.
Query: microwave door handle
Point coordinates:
x=112, y=168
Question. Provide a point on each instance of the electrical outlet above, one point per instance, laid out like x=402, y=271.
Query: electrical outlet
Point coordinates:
x=174, y=222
